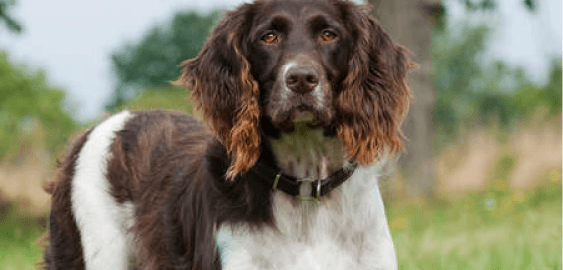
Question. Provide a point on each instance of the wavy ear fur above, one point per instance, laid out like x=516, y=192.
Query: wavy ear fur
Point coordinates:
x=225, y=91
x=374, y=97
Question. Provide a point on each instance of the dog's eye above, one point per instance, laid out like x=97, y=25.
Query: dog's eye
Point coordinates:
x=270, y=38
x=328, y=35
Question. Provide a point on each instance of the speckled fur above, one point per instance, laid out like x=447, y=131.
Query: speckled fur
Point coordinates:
x=348, y=231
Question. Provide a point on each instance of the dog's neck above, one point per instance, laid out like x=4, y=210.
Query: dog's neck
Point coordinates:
x=306, y=152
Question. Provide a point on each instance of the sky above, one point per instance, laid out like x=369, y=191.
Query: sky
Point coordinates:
x=73, y=40
x=520, y=37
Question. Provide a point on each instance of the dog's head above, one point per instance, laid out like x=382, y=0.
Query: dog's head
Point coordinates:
x=270, y=63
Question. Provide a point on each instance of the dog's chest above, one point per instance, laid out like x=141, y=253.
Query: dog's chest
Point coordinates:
x=347, y=230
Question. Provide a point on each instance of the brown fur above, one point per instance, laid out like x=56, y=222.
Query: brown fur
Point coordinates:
x=136, y=175
x=64, y=250
x=377, y=76
x=366, y=130
x=185, y=183
x=228, y=98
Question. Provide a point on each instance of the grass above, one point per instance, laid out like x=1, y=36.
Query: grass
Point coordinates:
x=495, y=229
x=18, y=235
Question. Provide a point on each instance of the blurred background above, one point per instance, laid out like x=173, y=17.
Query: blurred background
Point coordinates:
x=479, y=186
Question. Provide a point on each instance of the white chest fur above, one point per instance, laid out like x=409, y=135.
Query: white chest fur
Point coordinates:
x=347, y=230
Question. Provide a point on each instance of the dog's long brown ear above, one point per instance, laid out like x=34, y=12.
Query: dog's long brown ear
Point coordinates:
x=375, y=97
x=225, y=91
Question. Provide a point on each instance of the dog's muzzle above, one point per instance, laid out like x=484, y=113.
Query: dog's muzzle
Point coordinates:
x=301, y=79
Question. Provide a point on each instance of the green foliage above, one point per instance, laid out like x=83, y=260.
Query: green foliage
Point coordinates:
x=476, y=5
x=160, y=98
x=455, y=65
x=531, y=5
x=5, y=17
x=552, y=91
x=30, y=110
x=507, y=97
x=473, y=5
x=469, y=92
x=154, y=60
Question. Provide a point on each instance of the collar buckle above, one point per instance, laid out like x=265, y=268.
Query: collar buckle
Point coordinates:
x=306, y=193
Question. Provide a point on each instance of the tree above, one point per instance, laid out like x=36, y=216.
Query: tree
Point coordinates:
x=549, y=97
x=456, y=67
x=5, y=17
x=415, y=23
x=474, y=5
x=398, y=19
x=154, y=60
x=28, y=104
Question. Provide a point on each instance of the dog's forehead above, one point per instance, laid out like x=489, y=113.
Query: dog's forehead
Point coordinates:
x=303, y=9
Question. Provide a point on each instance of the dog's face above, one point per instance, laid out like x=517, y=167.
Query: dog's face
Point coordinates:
x=270, y=63
x=298, y=53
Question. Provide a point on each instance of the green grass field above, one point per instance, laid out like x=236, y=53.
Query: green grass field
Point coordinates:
x=497, y=229
x=486, y=230
x=18, y=236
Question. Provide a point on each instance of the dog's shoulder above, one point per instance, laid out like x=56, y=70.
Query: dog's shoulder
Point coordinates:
x=163, y=123
x=151, y=148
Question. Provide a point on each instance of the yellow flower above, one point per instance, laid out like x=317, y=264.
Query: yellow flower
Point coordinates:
x=518, y=197
x=555, y=176
x=399, y=223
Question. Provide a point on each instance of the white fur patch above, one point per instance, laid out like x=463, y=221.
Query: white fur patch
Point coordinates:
x=346, y=231
x=286, y=91
x=103, y=223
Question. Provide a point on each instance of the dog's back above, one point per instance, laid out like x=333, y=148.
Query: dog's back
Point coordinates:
x=126, y=159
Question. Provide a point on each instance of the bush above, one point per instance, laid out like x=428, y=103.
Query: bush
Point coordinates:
x=30, y=111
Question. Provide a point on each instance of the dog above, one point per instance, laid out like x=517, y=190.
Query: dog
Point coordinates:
x=300, y=101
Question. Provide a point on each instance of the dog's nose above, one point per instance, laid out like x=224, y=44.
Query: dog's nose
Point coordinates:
x=301, y=79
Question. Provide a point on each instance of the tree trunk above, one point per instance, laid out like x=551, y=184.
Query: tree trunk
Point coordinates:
x=410, y=22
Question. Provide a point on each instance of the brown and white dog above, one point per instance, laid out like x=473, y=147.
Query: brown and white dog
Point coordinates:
x=302, y=98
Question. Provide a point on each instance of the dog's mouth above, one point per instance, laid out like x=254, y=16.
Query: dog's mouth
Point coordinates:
x=302, y=116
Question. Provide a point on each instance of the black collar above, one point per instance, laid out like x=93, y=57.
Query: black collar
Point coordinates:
x=292, y=185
